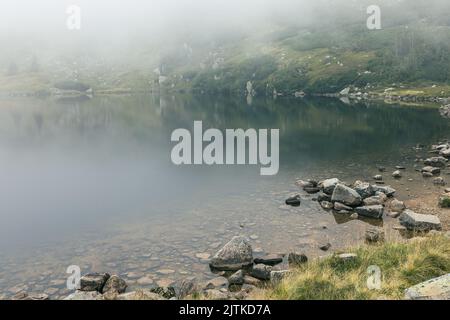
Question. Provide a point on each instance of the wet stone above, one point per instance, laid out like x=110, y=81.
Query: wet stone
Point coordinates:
x=261, y=271
x=93, y=281
x=294, y=201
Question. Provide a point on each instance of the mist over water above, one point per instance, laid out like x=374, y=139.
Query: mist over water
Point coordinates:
x=86, y=117
x=75, y=167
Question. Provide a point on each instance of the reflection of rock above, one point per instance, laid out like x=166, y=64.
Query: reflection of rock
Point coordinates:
x=72, y=86
x=434, y=289
x=299, y=94
x=439, y=181
x=270, y=260
x=375, y=211
x=341, y=207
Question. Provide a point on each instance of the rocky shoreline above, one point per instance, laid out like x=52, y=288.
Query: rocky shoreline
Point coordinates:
x=239, y=273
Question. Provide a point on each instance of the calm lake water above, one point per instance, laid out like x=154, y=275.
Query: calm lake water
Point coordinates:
x=90, y=182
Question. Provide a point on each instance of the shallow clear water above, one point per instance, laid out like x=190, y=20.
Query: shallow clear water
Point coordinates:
x=90, y=182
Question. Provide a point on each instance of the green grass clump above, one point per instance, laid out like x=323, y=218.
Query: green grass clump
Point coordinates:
x=402, y=265
x=444, y=202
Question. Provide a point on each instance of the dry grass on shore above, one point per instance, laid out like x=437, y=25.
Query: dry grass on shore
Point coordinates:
x=402, y=265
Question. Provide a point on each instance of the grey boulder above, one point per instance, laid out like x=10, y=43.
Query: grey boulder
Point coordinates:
x=387, y=190
x=346, y=195
x=93, y=281
x=419, y=222
x=364, y=189
x=261, y=271
x=434, y=289
x=328, y=185
x=114, y=284
x=235, y=255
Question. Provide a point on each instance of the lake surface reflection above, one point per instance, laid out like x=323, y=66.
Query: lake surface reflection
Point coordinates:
x=90, y=182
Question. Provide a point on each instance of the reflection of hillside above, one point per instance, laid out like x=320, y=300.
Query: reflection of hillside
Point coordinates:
x=315, y=126
x=117, y=116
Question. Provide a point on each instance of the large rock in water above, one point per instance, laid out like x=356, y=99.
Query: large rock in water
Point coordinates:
x=346, y=195
x=434, y=289
x=419, y=222
x=93, y=282
x=235, y=255
x=328, y=185
x=375, y=211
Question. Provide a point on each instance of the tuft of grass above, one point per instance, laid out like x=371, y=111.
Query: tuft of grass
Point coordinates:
x=402, y=265
x=444, y=201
